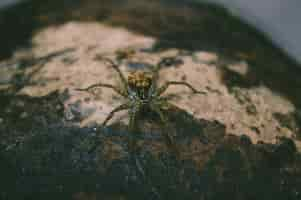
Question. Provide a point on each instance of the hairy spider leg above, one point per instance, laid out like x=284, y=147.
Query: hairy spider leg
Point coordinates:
x=116, y=68
x=132, y=144
x=155, y=72
x=169, y=138
x=116, y=89
x=164, y=87
x=115, y=110
x=132, y=128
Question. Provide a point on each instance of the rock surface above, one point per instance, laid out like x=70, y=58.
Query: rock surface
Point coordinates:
x=238, y=141
x=47, y=158
x=71, y=62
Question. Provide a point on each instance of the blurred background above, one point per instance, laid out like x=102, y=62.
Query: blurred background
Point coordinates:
x=279, y=20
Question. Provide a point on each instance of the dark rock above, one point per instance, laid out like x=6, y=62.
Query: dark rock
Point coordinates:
x=52, y=159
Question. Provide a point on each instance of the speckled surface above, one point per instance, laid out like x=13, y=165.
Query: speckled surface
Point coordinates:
x=243, y=111
x=238, y=141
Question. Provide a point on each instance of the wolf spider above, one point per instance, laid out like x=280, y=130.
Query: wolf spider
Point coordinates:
x=141, y=93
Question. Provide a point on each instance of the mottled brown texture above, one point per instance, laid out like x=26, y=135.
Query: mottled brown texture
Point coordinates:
x=230, y=140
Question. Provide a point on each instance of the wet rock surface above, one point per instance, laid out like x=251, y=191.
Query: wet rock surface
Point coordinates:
x=44, y=157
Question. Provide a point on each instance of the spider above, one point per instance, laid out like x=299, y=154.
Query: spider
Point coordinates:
x=142, y=93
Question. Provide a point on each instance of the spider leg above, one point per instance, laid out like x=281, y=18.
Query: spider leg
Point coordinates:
x=132, y=144
x=155, y=72
x=169, y=138
x=133, y=119
x=116, y=68
x=166, y=61
x=132, y=128
x=163, y=88
x=115, y=110
x=116, y=89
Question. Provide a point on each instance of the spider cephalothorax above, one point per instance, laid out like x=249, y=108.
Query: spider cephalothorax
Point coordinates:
x=140, y=83
x=141, y=93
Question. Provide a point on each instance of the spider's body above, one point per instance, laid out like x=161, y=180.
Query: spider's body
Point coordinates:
x=141, y=93
x=139, y=85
